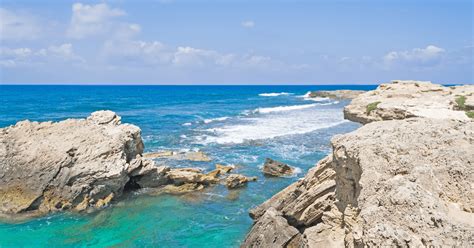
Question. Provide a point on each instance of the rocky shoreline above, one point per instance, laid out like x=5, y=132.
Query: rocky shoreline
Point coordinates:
x=404, y=179
x=85, y=164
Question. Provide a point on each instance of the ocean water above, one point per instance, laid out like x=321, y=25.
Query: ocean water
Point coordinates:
x=239, y=125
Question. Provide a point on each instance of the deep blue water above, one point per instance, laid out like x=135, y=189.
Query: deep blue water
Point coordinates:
x=233, y=124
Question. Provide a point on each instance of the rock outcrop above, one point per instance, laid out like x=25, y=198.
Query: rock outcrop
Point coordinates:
x=336, y=94
x=72, y=164
x=236, y=180
x=197, y=156
x=402, y=183
x=406, y=99
x=277, y=169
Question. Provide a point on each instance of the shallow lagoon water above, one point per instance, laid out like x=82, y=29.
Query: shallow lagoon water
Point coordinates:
x=239, y=125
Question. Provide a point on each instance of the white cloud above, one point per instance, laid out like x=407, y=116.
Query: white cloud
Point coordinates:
x=248, y=24
x=18, y=26
x=429, y=56
x=89, y=20
x=26, y=56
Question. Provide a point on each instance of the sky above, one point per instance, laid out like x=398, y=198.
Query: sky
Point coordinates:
x=235, y=42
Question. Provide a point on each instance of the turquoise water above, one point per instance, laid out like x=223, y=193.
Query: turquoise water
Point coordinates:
x=239, y=125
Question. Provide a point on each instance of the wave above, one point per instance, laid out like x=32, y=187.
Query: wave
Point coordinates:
x=317, y=99
x=276, y=94
x=187, y=124
x=283, y=108
x=207, y=121
x=260, y=127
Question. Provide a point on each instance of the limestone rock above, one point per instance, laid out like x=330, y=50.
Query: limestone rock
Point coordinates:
x=276, y=168
x=224, y=168
x=191, y=175
x=71, y=164
x=392, y=183
x=235, y=180
x=197, y=156
x=406, y=99
x=336, y=94
x=271, y=230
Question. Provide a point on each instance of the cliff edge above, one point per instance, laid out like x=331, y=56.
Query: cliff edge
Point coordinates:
x=405, y=183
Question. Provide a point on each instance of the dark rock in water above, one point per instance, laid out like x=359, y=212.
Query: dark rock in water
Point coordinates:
x=276, y=168
x=235, y=180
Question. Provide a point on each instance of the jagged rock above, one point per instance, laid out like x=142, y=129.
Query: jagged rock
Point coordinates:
x=276, y=168
x=406, y=99
x=197, y=156
x=224, y=168
x=191, y=175
x=235, y=180
x=336, y=94
x=271, y=230
x=71, y=164
x=392, y=183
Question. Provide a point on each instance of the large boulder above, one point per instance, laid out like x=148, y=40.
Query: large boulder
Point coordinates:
x=392, y=183
x=72, y=164
x=236, y=181
x=277, y=169
x=406, y=99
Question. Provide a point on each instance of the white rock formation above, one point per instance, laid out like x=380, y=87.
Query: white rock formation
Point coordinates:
x=396, y=183
x=71, y=164
x=405, y=99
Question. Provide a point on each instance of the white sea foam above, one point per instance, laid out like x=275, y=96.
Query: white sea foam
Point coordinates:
x=316, y=99
x=283, y=108
x=187, y=124
x=307, y=97
x=267, y=126
x=207, y=121
x=276, y=94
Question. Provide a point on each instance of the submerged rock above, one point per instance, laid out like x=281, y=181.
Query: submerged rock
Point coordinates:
x=336, y=94
x=276, y=168
x=406, y=99
x=72, y=164
x=236, y=180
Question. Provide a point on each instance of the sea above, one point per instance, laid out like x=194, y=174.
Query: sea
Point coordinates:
x=238, y=125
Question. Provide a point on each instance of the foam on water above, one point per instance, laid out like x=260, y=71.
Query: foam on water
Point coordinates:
x=275, y=94
x=274, y=122
x=207, y=121
x=283, y=108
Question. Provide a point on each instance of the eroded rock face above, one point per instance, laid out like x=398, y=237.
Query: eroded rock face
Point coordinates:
x=393, y=183
x=72, y=164
x=406, y=99
x=276, y=168
x=337, y=94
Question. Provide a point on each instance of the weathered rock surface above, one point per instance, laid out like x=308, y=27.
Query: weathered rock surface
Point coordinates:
x=72, y=164
x=277, y=169
x=236, y=180
x=336, y=94
x=198, y=156
x=405, y=99
x=403, y=183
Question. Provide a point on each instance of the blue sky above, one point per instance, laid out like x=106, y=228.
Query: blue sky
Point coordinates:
x=235, y=42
